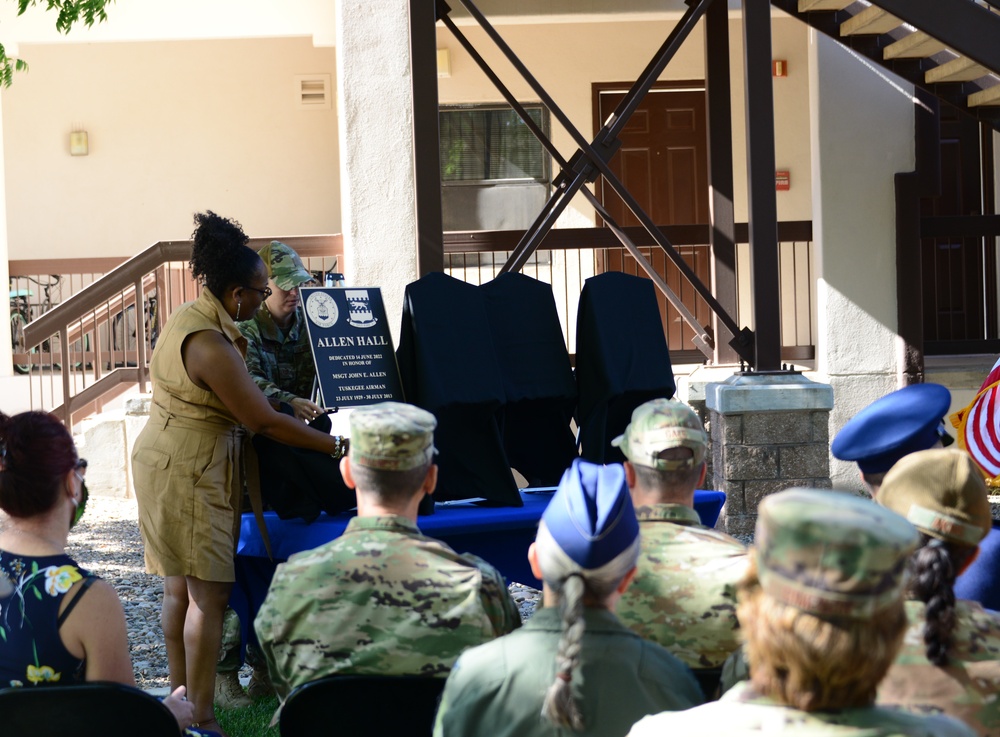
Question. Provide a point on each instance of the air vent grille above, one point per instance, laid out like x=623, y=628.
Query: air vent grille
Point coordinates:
x=313, y=91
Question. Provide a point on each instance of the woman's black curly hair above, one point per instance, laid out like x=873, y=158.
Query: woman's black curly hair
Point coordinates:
x=220, y=256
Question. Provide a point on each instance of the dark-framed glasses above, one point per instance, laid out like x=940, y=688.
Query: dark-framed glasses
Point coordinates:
x=266, y=291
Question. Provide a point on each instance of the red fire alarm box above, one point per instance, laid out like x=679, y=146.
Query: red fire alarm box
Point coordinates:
x=779, y=67
x=782, y=181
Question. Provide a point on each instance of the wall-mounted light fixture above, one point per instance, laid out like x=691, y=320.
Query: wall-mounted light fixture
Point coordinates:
x=78, y=143
x=444, y=63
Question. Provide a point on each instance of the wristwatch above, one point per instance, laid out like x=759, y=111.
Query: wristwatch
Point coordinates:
x=343, y=444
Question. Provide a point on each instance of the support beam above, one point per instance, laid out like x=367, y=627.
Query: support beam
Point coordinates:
x=426, y=154
x=722, y=231
x=763, y=209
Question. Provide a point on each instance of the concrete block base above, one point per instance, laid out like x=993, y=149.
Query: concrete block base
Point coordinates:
x=769, y=432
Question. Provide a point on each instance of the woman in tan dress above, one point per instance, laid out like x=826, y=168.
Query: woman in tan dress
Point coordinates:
x=186, y=461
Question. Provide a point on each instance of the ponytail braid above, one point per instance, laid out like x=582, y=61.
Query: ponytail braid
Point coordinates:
x=559, y=706
x=932, y=582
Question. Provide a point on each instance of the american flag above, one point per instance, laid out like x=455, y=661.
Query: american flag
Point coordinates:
x=979, y=427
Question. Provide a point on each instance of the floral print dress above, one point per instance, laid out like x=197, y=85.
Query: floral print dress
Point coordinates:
x=31, y=592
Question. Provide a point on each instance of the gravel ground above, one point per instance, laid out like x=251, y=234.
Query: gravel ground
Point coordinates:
x=107, y=542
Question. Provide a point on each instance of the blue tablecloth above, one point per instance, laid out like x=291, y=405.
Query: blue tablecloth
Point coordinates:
x=500, y=535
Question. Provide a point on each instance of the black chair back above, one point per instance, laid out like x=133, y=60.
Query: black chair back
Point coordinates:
x=363, y=706
x=84, y=710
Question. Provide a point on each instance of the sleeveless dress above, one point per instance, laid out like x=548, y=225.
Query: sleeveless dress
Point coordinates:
x=186, y=461
x=31, y=651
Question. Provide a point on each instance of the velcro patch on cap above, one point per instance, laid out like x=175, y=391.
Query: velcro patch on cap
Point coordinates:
x=945, y=525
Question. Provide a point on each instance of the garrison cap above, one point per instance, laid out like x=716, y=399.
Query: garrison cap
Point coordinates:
x=831, y=553
x=896, y=425
x=284, y=266
x=661, y=424
x=942, y=493
x=391, y=436
x=591, y=516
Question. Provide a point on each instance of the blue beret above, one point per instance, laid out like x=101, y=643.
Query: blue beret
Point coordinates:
x=591, y=516
x=896, y=425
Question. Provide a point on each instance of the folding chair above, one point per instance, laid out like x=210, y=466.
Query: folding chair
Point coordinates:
x=93, y=709
x=363, y=706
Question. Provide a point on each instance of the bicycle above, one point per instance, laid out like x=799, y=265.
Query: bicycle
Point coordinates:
x=124, y=333
x=20, y=315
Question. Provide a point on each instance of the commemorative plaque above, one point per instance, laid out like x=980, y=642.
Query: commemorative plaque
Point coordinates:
x=351, y=346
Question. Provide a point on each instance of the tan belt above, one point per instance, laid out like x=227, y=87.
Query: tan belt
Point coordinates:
x=250, y=469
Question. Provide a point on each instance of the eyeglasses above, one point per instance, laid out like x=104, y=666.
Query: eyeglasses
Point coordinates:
x=266, y=291
x=80, y=465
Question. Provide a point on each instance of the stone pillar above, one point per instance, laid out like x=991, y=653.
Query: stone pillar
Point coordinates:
x=375, y=118
x=769, y=432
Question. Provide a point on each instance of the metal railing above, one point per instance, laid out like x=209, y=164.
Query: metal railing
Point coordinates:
x=92, y=346
x=569, y=256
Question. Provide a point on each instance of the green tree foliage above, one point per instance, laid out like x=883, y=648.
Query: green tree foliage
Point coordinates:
x=70, y=13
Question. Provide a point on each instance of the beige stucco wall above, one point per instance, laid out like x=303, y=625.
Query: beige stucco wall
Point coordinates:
x=174, y=127
x=568, y=58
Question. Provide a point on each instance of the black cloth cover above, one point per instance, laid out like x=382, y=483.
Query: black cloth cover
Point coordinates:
x=301, y=483
x=448, y=366
x=621, y=359
x=537, y=377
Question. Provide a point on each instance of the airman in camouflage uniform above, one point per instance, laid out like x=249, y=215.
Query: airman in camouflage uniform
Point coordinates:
x=838, y=561
x=281, y=364
x=382, y=598
x=684, y=594
x=279, y=359
x=942, y=492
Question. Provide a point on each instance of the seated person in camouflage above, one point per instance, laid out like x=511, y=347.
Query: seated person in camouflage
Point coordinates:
x=382, y=598
x=684, y=596
x=950, y=660
x=294, y=482
x=821, y=609
x=573, y=667
x=278, y=355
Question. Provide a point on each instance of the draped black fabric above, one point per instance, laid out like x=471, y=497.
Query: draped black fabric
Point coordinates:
x=621, y=359
x=448, y=366
x=537, y=377
x=301, y=483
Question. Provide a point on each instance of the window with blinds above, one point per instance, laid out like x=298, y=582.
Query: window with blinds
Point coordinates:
x=489, y=143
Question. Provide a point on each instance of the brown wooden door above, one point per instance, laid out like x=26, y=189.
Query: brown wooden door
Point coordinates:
x=663, y=162
x=959, y=284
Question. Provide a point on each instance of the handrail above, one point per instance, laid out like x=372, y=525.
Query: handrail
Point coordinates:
x=94, y=295
x=124, y=287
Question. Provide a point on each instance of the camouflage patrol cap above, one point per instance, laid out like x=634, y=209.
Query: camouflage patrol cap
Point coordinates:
x=392, y=436
x=830, y=553
x=284, y=266
x=942, y=492
x=658, y=425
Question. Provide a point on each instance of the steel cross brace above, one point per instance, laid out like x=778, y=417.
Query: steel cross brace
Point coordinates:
x=592, y=159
